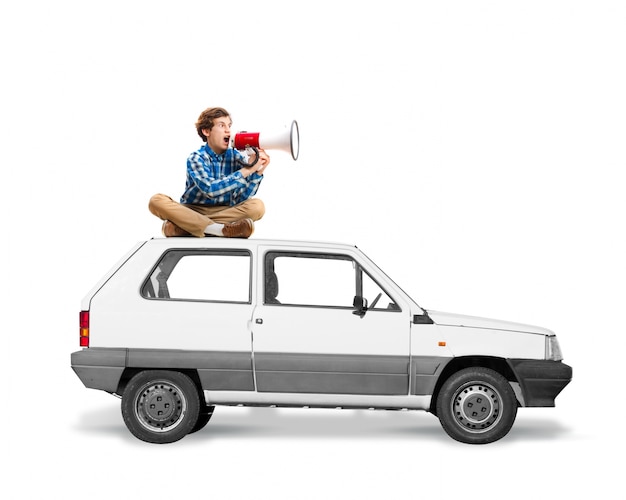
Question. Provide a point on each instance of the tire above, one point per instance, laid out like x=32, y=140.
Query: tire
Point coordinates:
x=160, y=406
x=203, y=418
x=476, y=406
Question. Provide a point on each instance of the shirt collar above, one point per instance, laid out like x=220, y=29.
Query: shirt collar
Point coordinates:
x=210, y=152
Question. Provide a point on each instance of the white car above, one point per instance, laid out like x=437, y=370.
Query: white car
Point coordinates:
x=181, y=325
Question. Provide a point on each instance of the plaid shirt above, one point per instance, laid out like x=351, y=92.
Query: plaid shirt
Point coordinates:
x=214, y=179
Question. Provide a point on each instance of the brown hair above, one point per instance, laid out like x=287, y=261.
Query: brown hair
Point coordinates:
x=205, y=120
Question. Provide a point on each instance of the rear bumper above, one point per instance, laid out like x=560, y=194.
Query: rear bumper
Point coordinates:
x=99, y=368
x=541, y=381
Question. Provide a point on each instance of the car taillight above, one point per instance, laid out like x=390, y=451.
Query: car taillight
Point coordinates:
x=84, y=328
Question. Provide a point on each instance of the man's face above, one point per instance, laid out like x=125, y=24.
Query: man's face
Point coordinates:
x=218, y=138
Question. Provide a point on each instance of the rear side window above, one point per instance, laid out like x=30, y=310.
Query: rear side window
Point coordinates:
x=217, y=276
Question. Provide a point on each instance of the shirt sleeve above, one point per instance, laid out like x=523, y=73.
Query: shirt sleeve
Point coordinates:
x=252, y=185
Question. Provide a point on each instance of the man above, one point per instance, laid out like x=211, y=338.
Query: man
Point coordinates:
x=218, y=198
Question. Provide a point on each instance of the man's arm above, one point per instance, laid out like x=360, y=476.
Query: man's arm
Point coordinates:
x=206, y=177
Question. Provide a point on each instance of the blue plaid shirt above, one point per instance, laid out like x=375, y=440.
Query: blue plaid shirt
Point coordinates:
x=214, y=179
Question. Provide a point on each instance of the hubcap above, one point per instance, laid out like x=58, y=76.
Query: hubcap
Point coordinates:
x=476, y=407
x=160, y=406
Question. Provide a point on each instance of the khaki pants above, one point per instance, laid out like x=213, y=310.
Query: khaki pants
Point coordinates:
x=195, y=218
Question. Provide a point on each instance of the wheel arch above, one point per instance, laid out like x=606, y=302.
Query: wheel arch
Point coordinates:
x=499, y=365
x=129, y=373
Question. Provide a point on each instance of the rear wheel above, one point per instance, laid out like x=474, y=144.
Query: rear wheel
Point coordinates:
x=160, y=406
x=476, y=406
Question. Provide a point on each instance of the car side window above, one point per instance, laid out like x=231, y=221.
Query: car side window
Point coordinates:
x=218, y=276
x=310, y=279
x=319, y=280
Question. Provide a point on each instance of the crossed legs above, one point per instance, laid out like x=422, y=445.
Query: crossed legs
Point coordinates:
x=194, y=219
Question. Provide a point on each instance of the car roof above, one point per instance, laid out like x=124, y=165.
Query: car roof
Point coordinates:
x=249, y=243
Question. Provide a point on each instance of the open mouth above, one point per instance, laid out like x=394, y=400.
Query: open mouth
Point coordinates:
x=227, y=140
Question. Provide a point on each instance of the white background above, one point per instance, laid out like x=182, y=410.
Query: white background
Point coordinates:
x=473, y=149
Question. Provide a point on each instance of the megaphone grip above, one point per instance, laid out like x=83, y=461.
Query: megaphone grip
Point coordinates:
x=256, y=158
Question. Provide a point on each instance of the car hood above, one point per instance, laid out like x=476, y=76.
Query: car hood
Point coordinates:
x=451, y=319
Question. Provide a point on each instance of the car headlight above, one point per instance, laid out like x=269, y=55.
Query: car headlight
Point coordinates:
x=553, y=350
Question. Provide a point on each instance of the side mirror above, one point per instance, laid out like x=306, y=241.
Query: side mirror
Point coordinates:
x=360, y=306
x=422, y=319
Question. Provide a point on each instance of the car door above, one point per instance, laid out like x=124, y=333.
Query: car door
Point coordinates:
x=309, y=338
x=195, y=313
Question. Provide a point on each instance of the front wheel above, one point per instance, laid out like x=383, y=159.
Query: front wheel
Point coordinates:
x=476, y=406
x=160, y=406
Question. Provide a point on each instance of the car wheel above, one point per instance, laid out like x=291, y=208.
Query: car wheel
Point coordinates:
x=160, y=406
x=476, y=406
x=203, y=418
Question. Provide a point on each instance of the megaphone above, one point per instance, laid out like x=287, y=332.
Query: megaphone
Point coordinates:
x=287, y=140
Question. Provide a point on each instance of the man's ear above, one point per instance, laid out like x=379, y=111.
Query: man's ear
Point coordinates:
x=206, y=132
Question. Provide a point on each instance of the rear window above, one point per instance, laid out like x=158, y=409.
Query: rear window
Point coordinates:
x=205, y=275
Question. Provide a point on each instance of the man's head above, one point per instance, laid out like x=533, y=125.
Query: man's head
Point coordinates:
x=213, y=127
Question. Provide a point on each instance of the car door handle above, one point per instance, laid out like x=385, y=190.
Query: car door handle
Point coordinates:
x=259, y=321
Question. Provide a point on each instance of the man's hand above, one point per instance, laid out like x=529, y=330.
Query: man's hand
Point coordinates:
x=259, y=167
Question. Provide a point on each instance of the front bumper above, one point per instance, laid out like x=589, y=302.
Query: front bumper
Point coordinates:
x=541, y=381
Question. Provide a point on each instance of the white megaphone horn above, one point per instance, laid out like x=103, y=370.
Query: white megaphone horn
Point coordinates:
x=287, y=140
